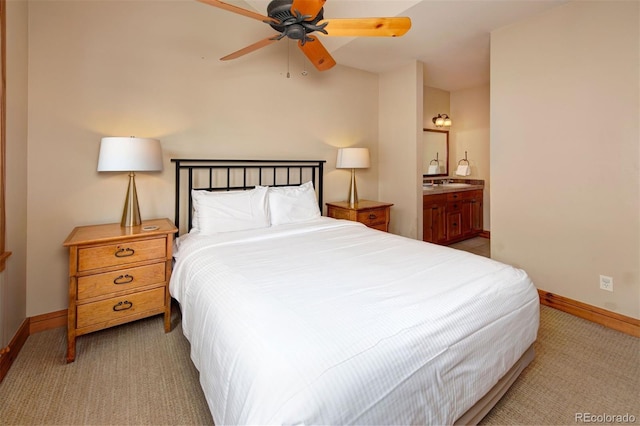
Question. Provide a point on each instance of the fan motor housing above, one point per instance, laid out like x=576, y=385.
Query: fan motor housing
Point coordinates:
x=294, y=26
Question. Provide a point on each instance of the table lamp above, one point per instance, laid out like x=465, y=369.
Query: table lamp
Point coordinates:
x=353, y=158
x=130, y=154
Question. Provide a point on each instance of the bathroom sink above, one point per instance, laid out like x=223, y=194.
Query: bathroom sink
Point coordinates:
x=456, y=185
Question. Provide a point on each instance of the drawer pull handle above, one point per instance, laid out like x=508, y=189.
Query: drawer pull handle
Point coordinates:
x=123, y=279
x=123, y=306
x=372, y=216
x=125, y=252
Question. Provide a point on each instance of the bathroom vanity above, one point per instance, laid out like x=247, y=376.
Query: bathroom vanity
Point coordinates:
x=452, y=210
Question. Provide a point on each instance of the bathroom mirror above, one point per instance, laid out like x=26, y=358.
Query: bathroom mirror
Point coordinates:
x=435, y=161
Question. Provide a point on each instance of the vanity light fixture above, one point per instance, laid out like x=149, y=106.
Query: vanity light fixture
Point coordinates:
x=130, y=154
x=442, y=120
x=353, y=158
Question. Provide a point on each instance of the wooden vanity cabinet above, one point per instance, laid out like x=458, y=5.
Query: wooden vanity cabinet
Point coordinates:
x=434, y=223
x=454, y=226
x=472, y=214
x=452, y=216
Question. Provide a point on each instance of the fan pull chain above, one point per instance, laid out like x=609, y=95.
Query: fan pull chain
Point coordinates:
x=304, y=71
x=305, y=61
x=288, y=57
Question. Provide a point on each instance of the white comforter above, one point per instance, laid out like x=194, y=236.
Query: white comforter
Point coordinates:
x=330, y=322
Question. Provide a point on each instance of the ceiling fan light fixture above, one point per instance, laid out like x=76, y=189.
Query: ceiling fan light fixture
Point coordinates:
x=442, y=120
x=296, y=32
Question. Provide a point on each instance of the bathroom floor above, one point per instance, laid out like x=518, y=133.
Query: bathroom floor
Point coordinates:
x=477, y=245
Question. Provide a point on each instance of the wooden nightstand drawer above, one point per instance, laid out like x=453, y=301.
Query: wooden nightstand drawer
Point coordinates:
x=379, y=227
x=121, y=254
x=372, y=218
x=339, y=213
x=374, y=214
x=116, y=309
x=120, y=280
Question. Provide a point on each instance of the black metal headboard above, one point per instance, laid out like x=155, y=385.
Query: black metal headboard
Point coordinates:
x=231, y=175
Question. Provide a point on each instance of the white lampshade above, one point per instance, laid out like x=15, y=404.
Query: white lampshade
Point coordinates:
x=353, y=158
x=129, y=154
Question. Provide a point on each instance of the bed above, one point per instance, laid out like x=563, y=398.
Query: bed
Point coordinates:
x=295, y=318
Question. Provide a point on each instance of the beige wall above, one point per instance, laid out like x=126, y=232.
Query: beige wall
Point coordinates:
x=565, y=153
x=13, y=281
x=104, y=68
x=470, y=132
x=120, y=68
x=436, y=101
x=400, y=145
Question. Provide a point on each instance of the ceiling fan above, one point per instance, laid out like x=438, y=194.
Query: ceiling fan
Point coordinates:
x=297, y=19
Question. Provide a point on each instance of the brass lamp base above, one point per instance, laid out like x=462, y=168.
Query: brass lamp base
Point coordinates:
x=131, y=212
x=353, y=190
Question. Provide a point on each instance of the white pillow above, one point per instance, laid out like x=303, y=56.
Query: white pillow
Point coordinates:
x=290, y=204
x=216, y=212
x=200, y=194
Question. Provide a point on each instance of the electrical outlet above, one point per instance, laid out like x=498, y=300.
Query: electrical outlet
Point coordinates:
x=606, y=283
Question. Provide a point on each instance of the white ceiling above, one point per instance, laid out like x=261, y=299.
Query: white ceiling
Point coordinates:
x=451, y=37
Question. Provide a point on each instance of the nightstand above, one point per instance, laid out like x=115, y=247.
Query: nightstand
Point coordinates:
x=374, y=214
x=118, y=275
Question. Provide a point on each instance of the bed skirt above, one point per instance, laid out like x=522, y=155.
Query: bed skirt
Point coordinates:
x=487, y=402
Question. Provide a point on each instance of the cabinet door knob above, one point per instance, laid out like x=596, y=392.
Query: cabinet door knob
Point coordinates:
x=125, y=252
x=123, y=279
x=123, y=306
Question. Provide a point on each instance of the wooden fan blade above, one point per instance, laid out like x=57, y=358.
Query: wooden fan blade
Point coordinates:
x=317, y=54
x=367, y=27
x=238, y=10
x=251, y=48
x=307, y=7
